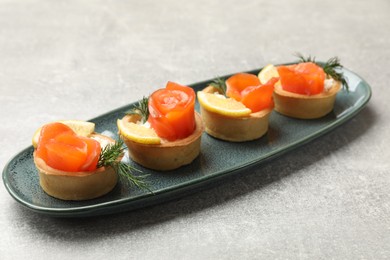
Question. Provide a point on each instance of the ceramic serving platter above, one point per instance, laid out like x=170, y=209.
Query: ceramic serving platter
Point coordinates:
x=218, y=159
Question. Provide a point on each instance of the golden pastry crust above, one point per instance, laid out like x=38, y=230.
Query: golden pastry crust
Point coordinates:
x=305, y=106
x=233, y=129
x=166, y=155
x=76, y=185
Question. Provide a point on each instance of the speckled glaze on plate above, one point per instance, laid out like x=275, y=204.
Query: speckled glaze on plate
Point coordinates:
x=218, y=159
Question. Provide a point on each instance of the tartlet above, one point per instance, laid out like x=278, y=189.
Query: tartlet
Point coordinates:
x=306, y=89
x=82, y=185
x=237, y=109
x=235, y=129
x=167, y=155
x=305, y=106
x=164, y=132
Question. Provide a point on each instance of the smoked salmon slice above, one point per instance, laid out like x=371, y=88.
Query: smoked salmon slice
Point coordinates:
x=238, y=82
x=247, y=89
x=171, y=111
x=259, y=97
x=303, y=78
x=63, y=150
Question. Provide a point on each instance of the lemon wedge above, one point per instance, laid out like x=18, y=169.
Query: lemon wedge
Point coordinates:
x=82, y=128
x=222, y=105
x=137, y=133
x=267, y=73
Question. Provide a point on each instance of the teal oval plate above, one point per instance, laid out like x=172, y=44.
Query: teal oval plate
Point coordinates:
x=218, y=159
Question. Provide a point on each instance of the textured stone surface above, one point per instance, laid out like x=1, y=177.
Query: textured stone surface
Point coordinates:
x=79, y=59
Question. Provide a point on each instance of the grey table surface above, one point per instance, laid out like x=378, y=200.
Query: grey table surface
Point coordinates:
x=78, y=59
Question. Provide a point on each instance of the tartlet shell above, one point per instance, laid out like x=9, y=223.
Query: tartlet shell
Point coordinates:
x=233, y=129
x=166, y=155
x=76, y=185
x=305, y=106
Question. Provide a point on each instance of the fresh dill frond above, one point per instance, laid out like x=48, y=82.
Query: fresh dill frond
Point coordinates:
x=307, y=59
x=125, y=170
x=219, y=84
x=109, y=156
x=140, y=109
x=331, y=68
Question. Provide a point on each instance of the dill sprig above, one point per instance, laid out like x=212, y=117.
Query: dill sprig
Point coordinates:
x=141, y=109
x=109, y=157
x=303, y=59
x=331, y=68
x=219, y=84
x=110, y=154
